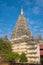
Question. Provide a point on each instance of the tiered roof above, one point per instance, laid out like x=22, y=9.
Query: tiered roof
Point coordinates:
x=21, y=27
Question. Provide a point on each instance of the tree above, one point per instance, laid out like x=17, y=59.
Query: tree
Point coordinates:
x=5, y=48
x=23, y=58
x=42, y=60
x=12, y=57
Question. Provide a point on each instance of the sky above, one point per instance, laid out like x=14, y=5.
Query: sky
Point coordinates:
x=10, y=11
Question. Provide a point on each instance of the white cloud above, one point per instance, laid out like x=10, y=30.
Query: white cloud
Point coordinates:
x=32, y=22
x=10, y=32
x=36, y=10
x=39, y=3
x=1, y=35
x=35, y=28
x=26, y=2
x=27, y=19
x=1, y=30
x=41, y=30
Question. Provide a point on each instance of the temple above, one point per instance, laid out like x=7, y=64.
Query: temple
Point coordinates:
x=23, y=41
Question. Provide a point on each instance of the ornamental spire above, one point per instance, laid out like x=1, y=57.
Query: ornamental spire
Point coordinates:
x=21, y=10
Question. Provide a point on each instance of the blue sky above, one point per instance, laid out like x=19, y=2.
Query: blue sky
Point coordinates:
x=10, y=10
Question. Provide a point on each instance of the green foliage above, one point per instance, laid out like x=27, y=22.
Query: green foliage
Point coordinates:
x=5, y=47
x=12, y=57
x=16, y=57
x=23, y=58
x=7, y=54
x=41, y=60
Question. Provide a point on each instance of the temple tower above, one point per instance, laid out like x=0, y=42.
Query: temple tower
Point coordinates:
x=21, y=27
x=23, y=41
x=5, y=38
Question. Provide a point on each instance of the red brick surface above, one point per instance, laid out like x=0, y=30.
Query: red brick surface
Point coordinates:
x=41, y=49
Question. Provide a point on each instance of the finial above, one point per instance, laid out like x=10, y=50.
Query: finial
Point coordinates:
x=22, y=10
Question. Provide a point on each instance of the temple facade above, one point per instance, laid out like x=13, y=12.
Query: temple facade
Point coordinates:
x=23, y=41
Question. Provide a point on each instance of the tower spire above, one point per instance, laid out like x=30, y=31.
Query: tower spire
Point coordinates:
x=21, y=10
